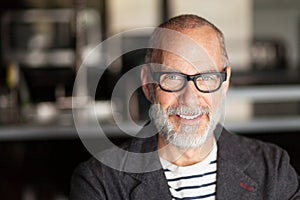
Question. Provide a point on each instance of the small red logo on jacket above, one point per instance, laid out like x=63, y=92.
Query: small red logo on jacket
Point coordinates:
x=247, y=187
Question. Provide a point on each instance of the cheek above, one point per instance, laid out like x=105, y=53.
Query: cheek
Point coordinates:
x=166, y=99
x=209, y=100
x=214, y=100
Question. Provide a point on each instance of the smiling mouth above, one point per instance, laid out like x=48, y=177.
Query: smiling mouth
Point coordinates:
x=189, y=117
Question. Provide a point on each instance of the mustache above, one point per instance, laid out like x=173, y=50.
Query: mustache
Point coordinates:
x=185, y=110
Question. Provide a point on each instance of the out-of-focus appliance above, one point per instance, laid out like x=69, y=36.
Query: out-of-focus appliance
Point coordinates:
x=42, y=42
x=269, y=54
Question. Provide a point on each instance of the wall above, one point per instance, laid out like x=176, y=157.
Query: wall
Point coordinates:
x=279, y=19
x=233, y=17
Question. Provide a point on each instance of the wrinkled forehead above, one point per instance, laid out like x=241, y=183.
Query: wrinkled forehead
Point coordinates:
x=199, y=63
x=182, y=50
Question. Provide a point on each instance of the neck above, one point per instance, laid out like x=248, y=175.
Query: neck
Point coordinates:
x=184, y=157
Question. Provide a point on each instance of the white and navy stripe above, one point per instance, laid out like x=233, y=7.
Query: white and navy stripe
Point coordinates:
x=197, y=181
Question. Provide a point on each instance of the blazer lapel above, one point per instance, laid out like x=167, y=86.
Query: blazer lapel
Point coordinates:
x=154, y=183
x=232, y=181
x=152, y=179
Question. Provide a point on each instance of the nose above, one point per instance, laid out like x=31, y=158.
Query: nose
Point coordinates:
x=189, y=96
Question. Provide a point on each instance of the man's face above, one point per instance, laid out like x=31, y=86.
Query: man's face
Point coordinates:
x=186, y=118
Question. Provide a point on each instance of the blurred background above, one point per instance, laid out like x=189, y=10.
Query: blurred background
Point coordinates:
x=43, y=43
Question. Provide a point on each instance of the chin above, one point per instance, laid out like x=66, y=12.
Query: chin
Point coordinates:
x=185, y=139
x=183, y=135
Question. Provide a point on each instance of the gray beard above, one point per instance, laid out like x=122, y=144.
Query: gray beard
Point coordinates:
x=187, y=135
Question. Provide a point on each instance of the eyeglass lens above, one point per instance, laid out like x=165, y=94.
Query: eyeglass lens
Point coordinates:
x=205, y=82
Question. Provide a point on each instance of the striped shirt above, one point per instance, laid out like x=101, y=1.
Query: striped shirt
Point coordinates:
x=196, y=181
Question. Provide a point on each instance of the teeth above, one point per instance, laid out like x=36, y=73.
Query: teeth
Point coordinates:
x=189, y=116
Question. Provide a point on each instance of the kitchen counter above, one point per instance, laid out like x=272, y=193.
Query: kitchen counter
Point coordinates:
x=249, y=124
x=54, y=132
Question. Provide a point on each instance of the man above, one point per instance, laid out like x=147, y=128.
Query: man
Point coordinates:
x=186, y=79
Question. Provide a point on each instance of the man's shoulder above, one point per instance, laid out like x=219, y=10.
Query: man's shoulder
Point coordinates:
x=254, y=156
x=91, y=168
x=243, y=143
x=95, y=166
x=118, y=158
x=266, y=165
x=238, y=147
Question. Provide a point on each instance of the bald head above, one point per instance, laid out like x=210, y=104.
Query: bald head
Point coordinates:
x=181, y=24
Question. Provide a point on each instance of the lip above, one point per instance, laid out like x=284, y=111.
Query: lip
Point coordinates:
x=187, y=121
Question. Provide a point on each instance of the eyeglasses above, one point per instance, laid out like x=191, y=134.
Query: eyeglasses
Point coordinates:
x=207, y=82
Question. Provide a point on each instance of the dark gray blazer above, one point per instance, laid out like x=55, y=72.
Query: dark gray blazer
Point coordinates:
x=246, y=169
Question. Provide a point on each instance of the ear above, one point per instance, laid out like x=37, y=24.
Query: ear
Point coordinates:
x=227, y=82
x=146, y=82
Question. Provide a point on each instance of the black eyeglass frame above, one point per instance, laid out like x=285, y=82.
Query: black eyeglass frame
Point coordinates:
x=223, y=76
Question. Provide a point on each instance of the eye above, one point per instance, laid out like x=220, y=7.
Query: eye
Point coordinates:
x=173, y=77
x=208, y=77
